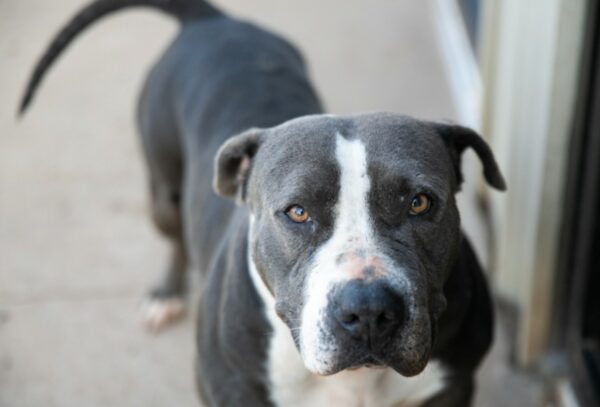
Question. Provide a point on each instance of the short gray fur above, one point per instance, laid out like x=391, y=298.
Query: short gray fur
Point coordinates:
x=221, y=77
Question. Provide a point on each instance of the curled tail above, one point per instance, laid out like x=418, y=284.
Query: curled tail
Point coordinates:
x=181, y=9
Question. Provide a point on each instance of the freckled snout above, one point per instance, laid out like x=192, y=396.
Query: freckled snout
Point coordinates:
x=367, y=311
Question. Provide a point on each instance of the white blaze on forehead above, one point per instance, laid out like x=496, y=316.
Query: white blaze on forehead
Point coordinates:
x=352, y=210
x=352, y=231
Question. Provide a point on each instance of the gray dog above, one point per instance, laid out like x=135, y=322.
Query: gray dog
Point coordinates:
x=341, y=277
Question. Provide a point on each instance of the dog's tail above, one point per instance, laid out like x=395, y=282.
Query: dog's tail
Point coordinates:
x=182, y=9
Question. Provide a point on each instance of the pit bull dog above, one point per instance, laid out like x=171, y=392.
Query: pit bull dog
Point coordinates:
x=341, y=277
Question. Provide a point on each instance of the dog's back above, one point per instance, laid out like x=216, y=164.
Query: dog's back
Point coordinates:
x=218, y=77
x=216, y=68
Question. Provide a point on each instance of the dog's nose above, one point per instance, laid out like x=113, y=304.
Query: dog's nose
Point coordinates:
x=368, y=311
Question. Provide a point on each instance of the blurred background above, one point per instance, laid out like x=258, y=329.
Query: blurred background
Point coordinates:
x=78, y=252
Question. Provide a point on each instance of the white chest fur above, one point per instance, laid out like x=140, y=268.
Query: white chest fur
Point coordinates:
x=292, y=385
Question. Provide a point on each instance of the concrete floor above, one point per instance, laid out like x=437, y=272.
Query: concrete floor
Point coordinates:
x=77, y=250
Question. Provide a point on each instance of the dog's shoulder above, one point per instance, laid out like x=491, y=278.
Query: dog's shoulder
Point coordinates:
x=466, y=328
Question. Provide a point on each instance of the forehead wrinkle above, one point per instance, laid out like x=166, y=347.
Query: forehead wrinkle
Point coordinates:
x=303, y=186
x=434, y=184
x=411, y=174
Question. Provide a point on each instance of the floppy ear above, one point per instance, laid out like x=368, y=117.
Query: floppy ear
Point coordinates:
x=457, y=139
x=234, y=162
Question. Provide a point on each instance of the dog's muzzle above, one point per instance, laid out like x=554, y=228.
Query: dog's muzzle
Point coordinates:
x=371, y=323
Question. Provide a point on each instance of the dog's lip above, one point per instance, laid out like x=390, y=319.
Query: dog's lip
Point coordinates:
x=377, y=366
x=383, y=360
x=369, y=361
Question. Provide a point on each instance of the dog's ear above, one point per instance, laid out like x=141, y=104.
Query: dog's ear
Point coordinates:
x=233, y=163
x=457, y=139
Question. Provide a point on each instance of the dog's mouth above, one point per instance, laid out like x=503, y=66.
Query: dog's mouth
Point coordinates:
x=370, y=364
x=407, y=352
x=406, y=366
x=401, y=358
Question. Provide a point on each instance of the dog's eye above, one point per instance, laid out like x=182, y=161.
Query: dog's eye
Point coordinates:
x=420, y=204
x=297, y=214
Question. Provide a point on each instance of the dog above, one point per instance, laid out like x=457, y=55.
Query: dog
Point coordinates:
x=336, y=272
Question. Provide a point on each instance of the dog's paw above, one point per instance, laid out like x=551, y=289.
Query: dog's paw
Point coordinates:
x=161, y=312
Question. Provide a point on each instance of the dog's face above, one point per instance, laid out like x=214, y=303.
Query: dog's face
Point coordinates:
x=354, y=230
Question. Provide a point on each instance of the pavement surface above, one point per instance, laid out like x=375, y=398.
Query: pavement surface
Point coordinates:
x=77, y=249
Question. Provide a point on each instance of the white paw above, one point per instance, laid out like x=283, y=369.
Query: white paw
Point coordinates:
x=158, y=313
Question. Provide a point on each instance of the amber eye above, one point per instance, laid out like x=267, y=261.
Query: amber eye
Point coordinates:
x=420, y=204
x=297, y=214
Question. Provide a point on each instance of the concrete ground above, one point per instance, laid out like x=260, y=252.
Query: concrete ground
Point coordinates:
x=77, y=250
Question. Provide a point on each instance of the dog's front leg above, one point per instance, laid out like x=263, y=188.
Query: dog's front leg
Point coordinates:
x=166, y=302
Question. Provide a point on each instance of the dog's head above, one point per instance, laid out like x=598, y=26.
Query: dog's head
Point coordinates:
x=354, y=230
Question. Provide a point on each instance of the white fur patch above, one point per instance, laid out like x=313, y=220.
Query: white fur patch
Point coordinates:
x=353, y=231
x=158, y=313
